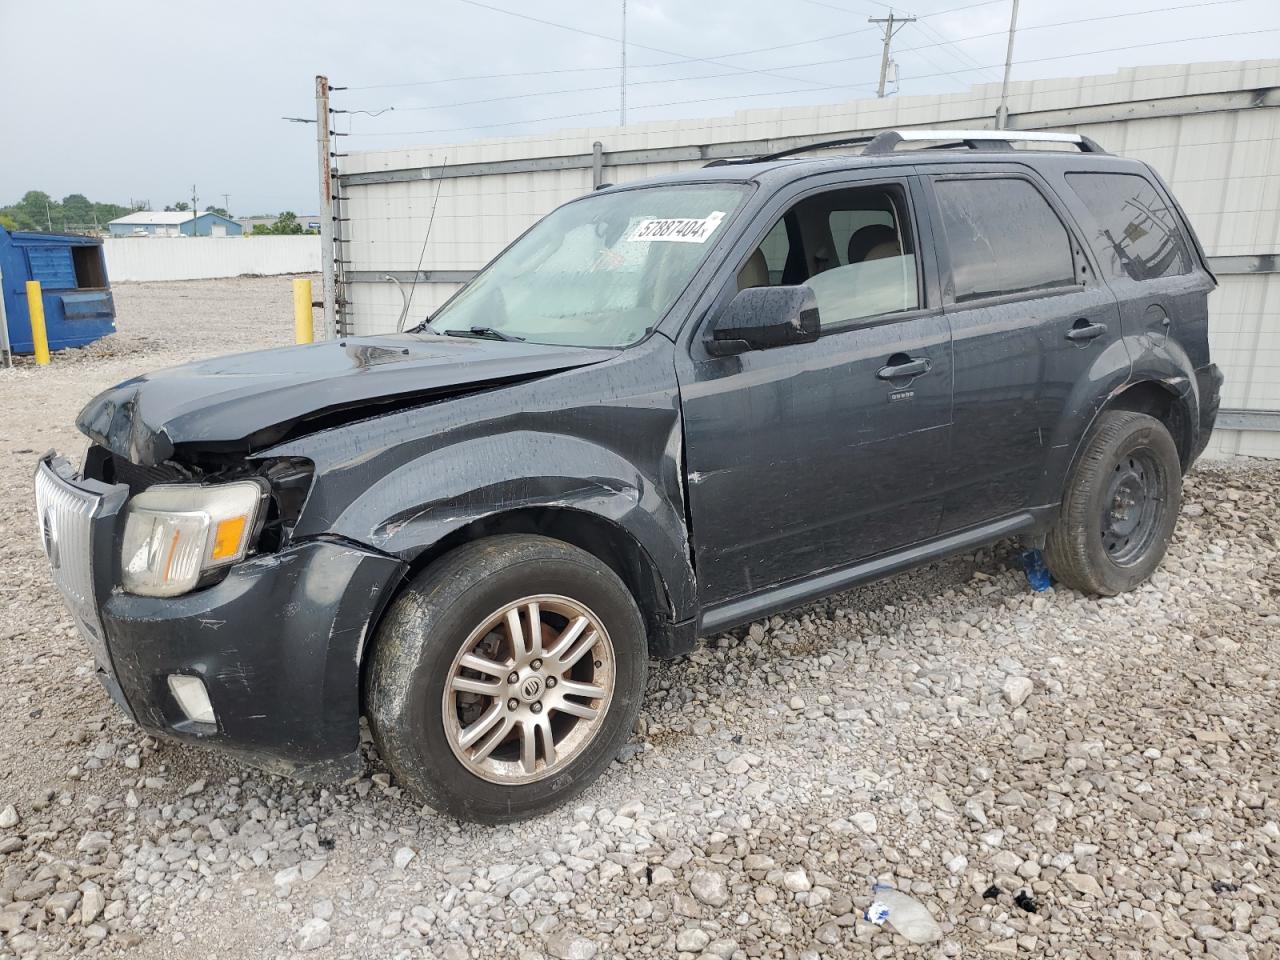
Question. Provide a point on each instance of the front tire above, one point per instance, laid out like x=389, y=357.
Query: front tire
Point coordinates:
x=506, y=677
x=1120, y=506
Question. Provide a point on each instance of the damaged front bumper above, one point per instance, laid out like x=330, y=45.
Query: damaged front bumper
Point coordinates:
x=276, y=644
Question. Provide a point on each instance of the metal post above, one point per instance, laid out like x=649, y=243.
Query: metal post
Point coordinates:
x=328, y=253
x=622, y=103
x=1002, y=112
x=597, y=165
x=888, y=24
x=5, y=348
x=39, y=336
x=303, y=325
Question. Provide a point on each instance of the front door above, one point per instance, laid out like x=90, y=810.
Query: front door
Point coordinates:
x=811, y=457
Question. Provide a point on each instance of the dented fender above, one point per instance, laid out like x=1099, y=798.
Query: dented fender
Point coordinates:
x=406, y=481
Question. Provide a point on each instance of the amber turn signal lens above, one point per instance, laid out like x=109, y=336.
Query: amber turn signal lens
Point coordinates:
x=227, y=537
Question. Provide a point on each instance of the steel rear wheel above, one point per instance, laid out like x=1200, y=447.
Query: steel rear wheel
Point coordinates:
x=506, y=677
x=1120, y=506
x=1132, y=505
x=528, y=689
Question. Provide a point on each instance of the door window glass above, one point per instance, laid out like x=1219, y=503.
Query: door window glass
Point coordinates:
x=1137, y=233
x=1002, y=237
x=854, y=247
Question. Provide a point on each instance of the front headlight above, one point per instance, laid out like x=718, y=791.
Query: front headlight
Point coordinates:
x=176, y=533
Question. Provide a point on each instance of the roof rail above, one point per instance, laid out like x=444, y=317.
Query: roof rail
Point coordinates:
x=792, y=151
x=976, y=139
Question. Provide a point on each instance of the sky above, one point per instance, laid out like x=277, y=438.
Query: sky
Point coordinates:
x=142, y=99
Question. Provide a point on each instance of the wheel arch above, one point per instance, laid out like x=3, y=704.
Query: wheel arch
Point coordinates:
x=604, y=539
x=1159, y=399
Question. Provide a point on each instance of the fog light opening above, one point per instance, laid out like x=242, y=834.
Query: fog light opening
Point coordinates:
x=192, y=697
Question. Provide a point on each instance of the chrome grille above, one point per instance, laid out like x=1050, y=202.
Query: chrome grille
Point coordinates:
x=64, y=517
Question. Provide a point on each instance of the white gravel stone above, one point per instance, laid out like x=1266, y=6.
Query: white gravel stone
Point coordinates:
x=313, y=934
x=797, y=881
x=710, y=887
x=565, y=944
x=865, y=821
x=692, y=940
x=1016, y=690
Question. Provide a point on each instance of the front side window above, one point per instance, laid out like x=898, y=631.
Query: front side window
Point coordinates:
x=599, y=272
x=1137, y=233
x=1002, y=237
x=854, y=247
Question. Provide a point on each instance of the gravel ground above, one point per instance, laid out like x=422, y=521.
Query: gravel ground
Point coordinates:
x=1049, y=774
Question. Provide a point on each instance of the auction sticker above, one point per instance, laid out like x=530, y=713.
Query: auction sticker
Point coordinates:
x=677, y=229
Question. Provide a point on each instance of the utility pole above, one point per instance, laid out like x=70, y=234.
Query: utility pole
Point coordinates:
x=48, y=217
x=226, y=203
x=195, y=212
x=891, y=25
x=622, y=92
x=327, y=252
x=1002, y=112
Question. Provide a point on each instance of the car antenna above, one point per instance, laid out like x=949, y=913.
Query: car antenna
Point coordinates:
x=408, y=302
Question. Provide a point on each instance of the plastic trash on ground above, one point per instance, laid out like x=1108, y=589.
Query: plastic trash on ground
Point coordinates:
x=1037, y=572
x=905, y=914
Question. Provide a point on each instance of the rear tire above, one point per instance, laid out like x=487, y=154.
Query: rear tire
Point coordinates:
x=487, y=718
x=1120, y=506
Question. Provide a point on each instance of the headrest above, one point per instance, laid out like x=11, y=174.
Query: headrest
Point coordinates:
x=873, y=242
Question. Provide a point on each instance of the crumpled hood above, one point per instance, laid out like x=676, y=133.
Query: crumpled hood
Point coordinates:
x=251, y=400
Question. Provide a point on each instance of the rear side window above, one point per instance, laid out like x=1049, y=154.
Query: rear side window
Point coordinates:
x=1002, y=237
x=1137, y=234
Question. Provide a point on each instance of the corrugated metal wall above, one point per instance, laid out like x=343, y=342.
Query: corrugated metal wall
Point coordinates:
x=1211, y=129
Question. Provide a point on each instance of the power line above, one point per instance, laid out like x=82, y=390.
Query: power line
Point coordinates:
x=602, y=36
x=665, y=63
x=827, y=87
x=950, y=47
x=814, y=63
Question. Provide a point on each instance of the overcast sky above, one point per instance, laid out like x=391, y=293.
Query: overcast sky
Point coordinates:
x=135, y=99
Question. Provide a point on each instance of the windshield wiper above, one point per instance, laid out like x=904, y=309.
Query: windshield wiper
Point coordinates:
x=484, y=333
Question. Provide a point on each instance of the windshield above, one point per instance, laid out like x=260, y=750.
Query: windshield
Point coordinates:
x=599, y=272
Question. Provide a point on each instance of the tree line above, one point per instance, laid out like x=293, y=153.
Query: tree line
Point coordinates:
x=39, y=211
x=76, y=213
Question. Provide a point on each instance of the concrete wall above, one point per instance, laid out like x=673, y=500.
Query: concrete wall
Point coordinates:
x=1211, y=129
x=202, y=258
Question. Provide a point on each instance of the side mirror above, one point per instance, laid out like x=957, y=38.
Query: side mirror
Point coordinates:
x=760, y=318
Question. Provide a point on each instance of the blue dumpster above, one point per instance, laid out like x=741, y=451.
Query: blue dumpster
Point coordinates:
x=78, y=308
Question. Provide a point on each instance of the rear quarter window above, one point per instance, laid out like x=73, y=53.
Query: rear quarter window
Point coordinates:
x=1135, y=232
x=1002, y=237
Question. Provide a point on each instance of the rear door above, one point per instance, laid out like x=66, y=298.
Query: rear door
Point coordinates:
x=1140, y=247
x=1028, y=318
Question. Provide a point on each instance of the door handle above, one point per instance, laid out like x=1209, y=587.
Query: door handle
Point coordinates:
x=1083, y=330
x=901, y=366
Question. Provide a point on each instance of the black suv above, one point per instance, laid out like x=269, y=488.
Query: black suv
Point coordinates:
x=668, y=408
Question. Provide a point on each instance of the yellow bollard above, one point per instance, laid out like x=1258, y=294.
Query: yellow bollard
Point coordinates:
x=303, y=328
x=39, y=336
